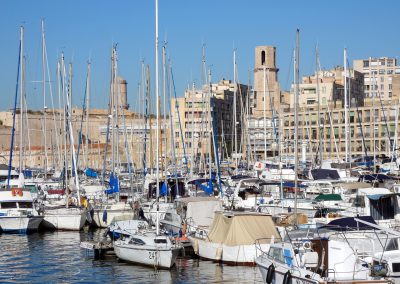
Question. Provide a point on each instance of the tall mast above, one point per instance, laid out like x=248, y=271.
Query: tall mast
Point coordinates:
x=21, y=127
x=44, y=102
x=264, y=116
x=158, y=126
x=320, y=134
x=296, y=138
x=346, y=128
x=192, y=132
x=87, y=114
x=164, y=110
x=234, y=108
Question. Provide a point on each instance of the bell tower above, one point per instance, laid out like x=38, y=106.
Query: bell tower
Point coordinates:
x=266, y=84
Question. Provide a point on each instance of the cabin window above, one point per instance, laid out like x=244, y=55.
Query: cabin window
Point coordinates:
x=276, y=254
x=160, y=241
x=263, y=57
x=392, y=245
x=135, y=241
x=8, y=205
x=25, y=205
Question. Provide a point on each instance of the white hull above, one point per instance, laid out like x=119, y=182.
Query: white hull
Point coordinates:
x=65, y=219
x=147, y=255
x=111, y=214
x=240, y=254
x=20, y=224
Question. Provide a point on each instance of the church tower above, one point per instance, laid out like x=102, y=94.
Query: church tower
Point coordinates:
x=266, y=87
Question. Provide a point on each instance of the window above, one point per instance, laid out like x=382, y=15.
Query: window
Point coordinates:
x=382, y=79
x=390, y=94
x=25, y=205
x=381, y=71
x=8, y=205
x=382, y=87
x=263, y=57
x=390, y=62
x=366, y=63
x=390, y=71
x=390, y=86
x=160, y=241
x=136, y=241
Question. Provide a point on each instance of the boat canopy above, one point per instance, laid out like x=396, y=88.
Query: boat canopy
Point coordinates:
x=349, y=223
x=328, y=197
x=242, y=229
x=325, y=174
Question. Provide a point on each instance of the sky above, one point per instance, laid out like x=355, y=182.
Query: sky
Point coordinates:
x=86, y=30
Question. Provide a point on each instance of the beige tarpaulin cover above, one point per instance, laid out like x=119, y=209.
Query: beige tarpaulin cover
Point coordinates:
x=242, y=229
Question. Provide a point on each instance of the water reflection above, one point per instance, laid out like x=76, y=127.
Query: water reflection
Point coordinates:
x=57, y=257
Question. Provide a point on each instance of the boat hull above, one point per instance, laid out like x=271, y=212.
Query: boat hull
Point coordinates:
x=155, y=257
x=239, y=255
x=65, y=219
x=20, y=224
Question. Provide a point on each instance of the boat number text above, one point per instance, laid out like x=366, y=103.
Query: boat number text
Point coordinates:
x=152, y=254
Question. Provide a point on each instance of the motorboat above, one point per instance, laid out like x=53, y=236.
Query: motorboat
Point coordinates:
x=18, y=213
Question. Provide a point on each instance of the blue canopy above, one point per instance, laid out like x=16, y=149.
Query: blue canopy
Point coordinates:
x=114, y=185
x=90, y=173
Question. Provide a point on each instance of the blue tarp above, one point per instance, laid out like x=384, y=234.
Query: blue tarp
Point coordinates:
x=27, y=173
x=373, y=177
x=90, y=173
x=208, y=189
x=164, y=189
x=114, y=185
x=346, y=223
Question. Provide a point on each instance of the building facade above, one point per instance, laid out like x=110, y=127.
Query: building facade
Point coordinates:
x=378, y=76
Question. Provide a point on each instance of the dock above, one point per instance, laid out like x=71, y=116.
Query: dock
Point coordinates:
x=99, y=249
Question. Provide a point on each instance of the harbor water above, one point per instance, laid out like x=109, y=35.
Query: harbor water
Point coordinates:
x=56, y=257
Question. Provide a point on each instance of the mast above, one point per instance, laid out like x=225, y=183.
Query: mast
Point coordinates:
x=21, y=127
x=15, y=107
x=264, y=116
x=192, y=132
x=158, y=114
x=234, y=108
x=296, y=138
x=87, y=114
x=346, y=128
x=165, y=111
x=320, y=134
x=44, y=102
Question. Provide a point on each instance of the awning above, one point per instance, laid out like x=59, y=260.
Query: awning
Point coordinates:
x=328, y=197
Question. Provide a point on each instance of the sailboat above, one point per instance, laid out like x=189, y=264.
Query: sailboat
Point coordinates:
x=69, y=216
x=17, y=211
x=148, y=247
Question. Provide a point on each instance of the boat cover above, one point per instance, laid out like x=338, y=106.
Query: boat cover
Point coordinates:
x=242, y=229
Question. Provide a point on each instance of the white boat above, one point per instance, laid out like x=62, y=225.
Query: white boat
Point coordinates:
x=17, y=212
x=141, y=245
x=62, y=218
x=232, y=236
x=316, y=261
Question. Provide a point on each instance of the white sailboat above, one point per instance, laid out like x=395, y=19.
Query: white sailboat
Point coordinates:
x=69, y=216
x=148, y=247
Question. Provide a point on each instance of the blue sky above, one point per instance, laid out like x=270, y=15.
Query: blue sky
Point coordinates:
x=84, y=29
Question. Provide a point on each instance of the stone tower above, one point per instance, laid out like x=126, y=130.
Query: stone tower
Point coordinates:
x=265, y=59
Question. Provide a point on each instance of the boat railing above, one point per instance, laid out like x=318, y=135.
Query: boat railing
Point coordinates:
x=259, y=242
x=330, y=271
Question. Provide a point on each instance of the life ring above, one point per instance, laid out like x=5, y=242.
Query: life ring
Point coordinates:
x=287, y=278
x=270, y=274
